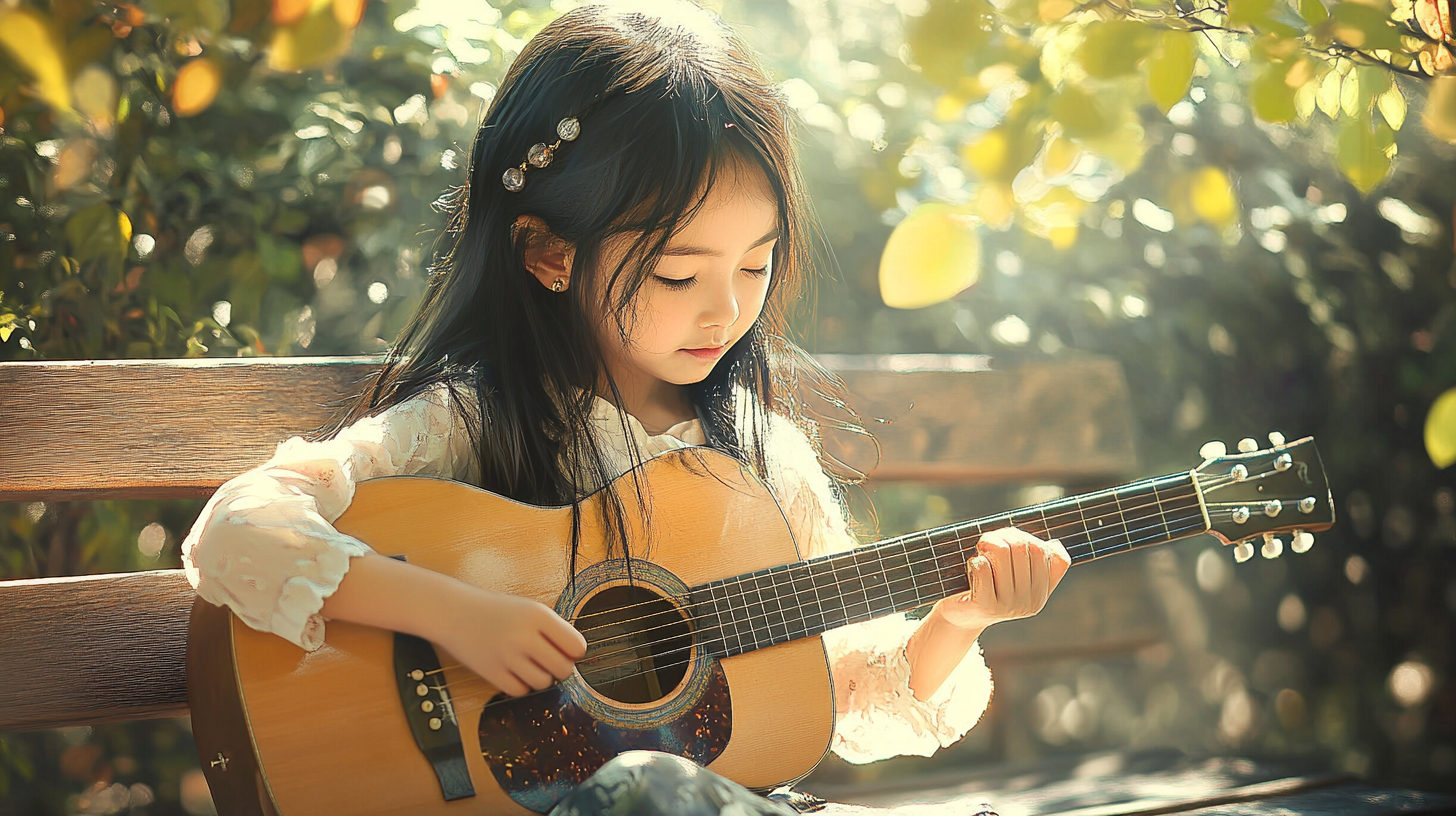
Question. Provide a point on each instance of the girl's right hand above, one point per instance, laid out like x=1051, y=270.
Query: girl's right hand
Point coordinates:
x=514, y=643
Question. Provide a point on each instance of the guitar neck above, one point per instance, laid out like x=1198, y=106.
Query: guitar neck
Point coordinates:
x=793, y=601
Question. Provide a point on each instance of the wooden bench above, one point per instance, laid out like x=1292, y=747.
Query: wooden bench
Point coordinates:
x=102, y=648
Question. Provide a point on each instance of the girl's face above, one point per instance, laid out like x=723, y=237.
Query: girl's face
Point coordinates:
x=707, y=291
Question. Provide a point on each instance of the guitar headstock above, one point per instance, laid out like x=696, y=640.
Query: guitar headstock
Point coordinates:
x=1265, y=494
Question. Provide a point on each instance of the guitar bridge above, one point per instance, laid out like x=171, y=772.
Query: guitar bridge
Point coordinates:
x=431, y=713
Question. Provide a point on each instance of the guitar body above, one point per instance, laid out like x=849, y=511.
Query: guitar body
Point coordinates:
x=337, y=731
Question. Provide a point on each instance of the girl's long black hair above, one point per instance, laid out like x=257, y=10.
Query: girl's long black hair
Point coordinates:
x=668, y=101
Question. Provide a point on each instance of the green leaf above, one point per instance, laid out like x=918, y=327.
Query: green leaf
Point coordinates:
x=95, y=232
x=1248, y=12
x=1313, y=11
x=1170, y=70
x=1080, y=114
x=1272, y=98
x=1364, y=26
x=1364, y=155
x=945, y=38
x=1115, y=48
x=1392, y=106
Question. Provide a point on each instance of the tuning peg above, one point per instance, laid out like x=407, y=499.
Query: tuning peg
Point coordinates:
x=1272, y=546
x=1248, y=445
x=1243, y=551
x=1276, y=439
x=1302, y=542
x=1213, y=450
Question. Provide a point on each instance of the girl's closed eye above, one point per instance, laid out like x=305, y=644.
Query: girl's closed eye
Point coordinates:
x=686, y=283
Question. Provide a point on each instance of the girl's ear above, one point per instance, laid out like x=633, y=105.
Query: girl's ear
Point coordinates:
x=547, y=257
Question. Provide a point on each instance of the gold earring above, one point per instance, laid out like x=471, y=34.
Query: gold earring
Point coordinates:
x=558, y=285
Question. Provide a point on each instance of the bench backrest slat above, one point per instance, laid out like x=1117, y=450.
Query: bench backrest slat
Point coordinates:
x=179, y=428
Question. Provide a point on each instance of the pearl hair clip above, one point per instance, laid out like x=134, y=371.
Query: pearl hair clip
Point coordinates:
x=540, y=154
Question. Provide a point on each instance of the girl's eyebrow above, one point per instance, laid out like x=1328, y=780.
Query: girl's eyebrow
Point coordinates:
x=697, y=250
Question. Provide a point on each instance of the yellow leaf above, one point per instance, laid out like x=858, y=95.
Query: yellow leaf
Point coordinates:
x=1212, y=197
x=316, y=39
x=1049, y=11
x=930, y=257
x=1392, y=106
x=995, y=204
x=1328, y=95
x=1440, y=115
x=32, y=41
x=1170, y=70
x=1304, y=100
x=1364, y=156
x=1350, y=94
x=196, y=86
x=949, y=107
x=1271, y=96
x=1441, y=430
x=988, y=155
x=1062, y=236
x=1058, y=156
x=124, y=225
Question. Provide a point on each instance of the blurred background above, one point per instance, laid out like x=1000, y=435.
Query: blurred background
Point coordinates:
x=1247, y=205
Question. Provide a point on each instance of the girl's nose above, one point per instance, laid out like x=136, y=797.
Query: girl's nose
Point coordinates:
x=721, y=309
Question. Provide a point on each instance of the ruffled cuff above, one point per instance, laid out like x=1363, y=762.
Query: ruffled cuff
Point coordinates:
x=262, y=548
x=878, y=715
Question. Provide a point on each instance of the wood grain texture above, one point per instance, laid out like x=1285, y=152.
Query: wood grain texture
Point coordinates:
x=138, y=429
x=93, y=649
x=180, y=428
x=1059, y=421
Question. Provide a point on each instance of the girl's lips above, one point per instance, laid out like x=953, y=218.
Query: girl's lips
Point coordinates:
x=708, y=352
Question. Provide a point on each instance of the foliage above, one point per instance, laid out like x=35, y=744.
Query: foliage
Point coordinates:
x=1224, y=196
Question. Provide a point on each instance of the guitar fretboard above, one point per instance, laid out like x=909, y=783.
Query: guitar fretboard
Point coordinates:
x=765, y=608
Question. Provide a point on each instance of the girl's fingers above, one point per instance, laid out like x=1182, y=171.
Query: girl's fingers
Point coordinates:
x=552, y=660
x=566, y=639
x=532, y=674
x=1041, y=577
x=1001, y=570
x=512, y=685
x=983, y=584
x=1025, y=583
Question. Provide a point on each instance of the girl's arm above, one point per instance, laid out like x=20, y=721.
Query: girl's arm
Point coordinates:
x=1012, y=576
x=265, y=547
x=878, y=715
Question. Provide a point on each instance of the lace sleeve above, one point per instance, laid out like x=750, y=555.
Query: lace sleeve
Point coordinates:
x=877, y=716
x=265, y=545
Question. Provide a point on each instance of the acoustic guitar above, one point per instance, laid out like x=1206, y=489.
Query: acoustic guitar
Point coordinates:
x=703, y=644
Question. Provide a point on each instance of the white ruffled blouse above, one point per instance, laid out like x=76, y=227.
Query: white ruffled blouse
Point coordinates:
x=265, y=547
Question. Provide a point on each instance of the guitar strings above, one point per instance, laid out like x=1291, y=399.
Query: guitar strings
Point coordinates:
x=470, y=702
x=883, y=571
x=1075, y=550
x=704, y=644
x=1076, y=508
x=795, y=605
x=1090, y=544
x=691, y=608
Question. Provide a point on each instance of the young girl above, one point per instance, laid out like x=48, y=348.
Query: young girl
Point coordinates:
x=613, y=287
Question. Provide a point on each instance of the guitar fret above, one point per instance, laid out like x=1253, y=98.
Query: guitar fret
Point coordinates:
x=791, y=601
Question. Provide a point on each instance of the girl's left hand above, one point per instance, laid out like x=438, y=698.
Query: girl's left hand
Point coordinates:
x=1012, y=575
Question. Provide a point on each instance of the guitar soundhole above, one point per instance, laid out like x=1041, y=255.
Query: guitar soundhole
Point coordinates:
x=638, y=644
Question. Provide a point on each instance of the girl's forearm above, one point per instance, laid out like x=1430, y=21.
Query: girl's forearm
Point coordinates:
x=390, y=594
x=935, y=650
